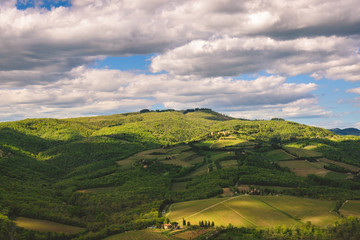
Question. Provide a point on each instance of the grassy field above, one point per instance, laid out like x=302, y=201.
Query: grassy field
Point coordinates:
x=229, y=163
x=351, y=208
x=178, y=186
x=45, y=226
x=97, y=190
x=190, y=234
x=304, y=168
x=199, y=171
x=218, y=155
x=278, y=155
x=227, y=192
x=255, y=211
x=178, y=155
x=300, y=152
x=140, y=235
x=344, y=165
x=337, y=176
x=226, y=142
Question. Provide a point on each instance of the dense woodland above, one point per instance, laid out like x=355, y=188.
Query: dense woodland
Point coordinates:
x=45, y=162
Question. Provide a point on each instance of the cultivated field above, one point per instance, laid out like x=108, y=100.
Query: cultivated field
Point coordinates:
x=227, y=192
x=190, y=234
x=351, y=208
x=255, y=211
x=278, y=155
x=97, y=190
x=300, y=152
x=229, y=163
x=178, y=155
x=178, y=186
x=304, y=167
x=140, y=235
x=226, y=142
x=45, y=226
x=344, y=165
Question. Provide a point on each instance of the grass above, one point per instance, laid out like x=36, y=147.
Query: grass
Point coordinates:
x=337, y=176
x=304, y=168
x=314, y=210
x=199, y=171
x=215, y=155
x=96, y=190
x=190, y=234
x=178, y=155
x=177, y=162
x=351, y=208
x=303, y=153
x=255, y=211
x=278, y=155
x=344, y=165
x=46, y=226
x=224, y=142
x=140, y=235
x=227, y=192
x=229, y=163
x=178, y=186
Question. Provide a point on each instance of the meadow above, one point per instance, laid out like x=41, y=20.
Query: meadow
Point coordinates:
x=255, y=211
x=46, y=226
x=141, y=235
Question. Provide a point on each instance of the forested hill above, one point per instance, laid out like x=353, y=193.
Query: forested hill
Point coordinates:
x=107, y=174
x=160, y=127
x=346, y=131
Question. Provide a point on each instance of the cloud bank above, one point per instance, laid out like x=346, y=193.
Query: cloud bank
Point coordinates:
x=201, y=49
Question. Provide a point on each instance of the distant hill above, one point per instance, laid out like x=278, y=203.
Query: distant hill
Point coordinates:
x=346, y=131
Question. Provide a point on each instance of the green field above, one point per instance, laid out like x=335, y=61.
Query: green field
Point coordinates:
x=45, y=226
x=303, y=153
x=218, y=155
x=178, y=155
x=255, y=211
x=229, y=163
x=304, y=168
x=141, y=235
x=344, y=165
x=97, y=190
x=178, y=186
x=227, y=142
x=278, y=155
x=351, y=208
x=337, y=176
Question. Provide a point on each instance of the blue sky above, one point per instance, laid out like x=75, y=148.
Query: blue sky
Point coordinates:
x=82, y=57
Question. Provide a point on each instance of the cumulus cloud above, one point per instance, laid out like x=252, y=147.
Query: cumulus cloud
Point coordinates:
x=331, y=57
x=59, y=40
x=81, y=93
x=202, y=45
x=354, y=90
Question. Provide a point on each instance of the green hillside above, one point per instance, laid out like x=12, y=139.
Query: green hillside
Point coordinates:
x=110, y=174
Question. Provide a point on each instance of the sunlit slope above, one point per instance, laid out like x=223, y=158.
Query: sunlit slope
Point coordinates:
x=255, y=211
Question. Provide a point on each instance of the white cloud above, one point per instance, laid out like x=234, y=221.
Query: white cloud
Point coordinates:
x=199, y=43
x=331, y=57
x=354, y=90
x=97, y=91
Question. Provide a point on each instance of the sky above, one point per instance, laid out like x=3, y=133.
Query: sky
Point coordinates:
x=253, y=59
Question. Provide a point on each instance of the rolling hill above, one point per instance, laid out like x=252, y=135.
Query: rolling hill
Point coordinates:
x=105, y=175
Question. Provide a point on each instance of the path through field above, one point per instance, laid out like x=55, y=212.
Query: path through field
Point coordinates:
x=214, y=205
